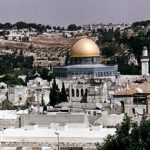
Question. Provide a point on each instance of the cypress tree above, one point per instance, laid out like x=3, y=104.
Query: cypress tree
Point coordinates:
x=84, y=98
x=63, y=93
x=54, y=94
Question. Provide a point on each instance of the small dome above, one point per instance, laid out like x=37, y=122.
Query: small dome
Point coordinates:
x=144, y=48
x=85, y=48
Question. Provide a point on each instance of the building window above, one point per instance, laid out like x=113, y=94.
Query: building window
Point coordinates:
x=77, y=92
x=82, y=92
x=104, y=74
x=94, y=113
x=20, y=98
x=110, y=73
x=72, y=92
x=99, y=74
x=96, y=74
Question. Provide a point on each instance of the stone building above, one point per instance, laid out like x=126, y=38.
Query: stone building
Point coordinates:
x=76, y=88
x=17, y=94
x=35, y=90
x=134, y=98
x=38, y=89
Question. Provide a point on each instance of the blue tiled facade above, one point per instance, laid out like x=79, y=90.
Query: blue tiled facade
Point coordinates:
x=91, y=70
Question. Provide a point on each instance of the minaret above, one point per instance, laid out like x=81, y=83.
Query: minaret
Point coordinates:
x=145, y=61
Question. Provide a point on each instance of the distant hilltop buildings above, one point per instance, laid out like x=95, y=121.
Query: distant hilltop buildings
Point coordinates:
x=24, y=34
x=107, y=27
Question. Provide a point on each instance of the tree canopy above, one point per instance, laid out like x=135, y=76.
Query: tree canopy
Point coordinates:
x=109, y=50
x=12, y=80
x=72, y=27
x=129, y=135
x=11, y=63
x=31, y=26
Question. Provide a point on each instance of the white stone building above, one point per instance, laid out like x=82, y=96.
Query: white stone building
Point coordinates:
x=17, y=95
x=33, y=92
x=37, y=88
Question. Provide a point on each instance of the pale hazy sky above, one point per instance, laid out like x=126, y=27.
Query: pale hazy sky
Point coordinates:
x=64, y=12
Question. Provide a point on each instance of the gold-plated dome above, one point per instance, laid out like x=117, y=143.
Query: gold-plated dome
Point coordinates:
x=85, y=48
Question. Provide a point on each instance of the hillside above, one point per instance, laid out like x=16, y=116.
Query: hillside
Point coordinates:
x=122, y=46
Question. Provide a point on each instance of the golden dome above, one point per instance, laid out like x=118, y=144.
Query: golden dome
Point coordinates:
x=85, y=48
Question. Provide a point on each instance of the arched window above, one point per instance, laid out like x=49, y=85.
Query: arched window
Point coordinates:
x=106, y=73
x=72, y=92
x=77, y=92
x=82, y=92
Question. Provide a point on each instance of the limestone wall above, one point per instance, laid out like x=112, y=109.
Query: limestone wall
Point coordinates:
x=6, y=123
x=54, y=118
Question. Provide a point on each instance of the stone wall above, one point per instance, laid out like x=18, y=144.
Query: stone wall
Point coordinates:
x=53, y=118
x=6, y=123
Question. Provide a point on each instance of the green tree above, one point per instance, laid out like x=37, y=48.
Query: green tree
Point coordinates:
x=7, y=25
x=6, y=104
x=84, y=98
x=44, y=73
x=121, y=139
x=72, y=27
x=63, y=94
x=54, y=94
x=67, y=58
x=12, y=80
x=20, y=25
x=109, y=51
x=129, y=136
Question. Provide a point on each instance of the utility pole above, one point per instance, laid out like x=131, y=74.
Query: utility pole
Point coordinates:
x=57, y=138
x=38, y=91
